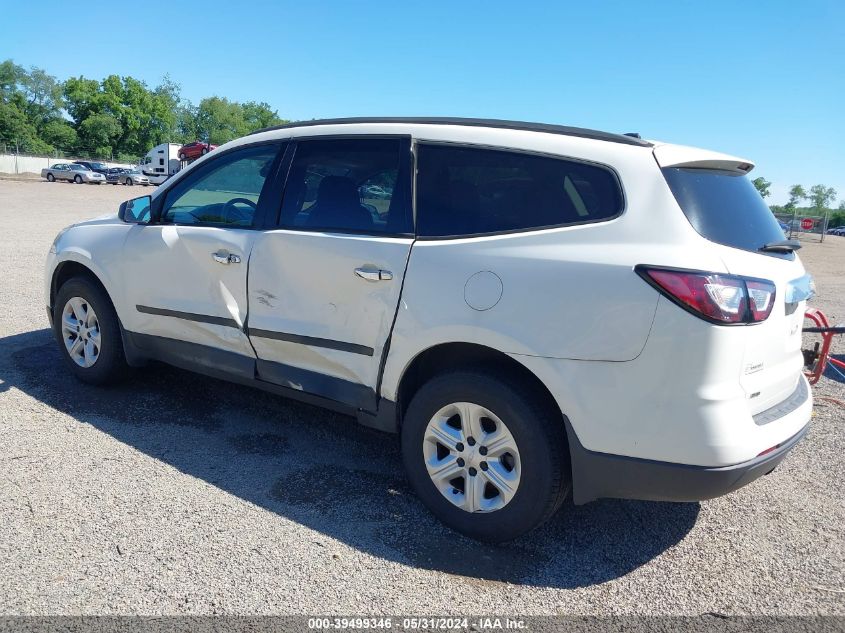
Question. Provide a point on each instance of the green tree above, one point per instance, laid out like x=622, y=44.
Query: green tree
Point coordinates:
x=796, y=195
x=762, y=185
x=60, y=134
x=9, y=77
x=821, y=196
x=260, y=115
x=43, y=96
x=30, y=100
x=82, y=98
x=220, y=120
x=98, y=134
x=118, y=115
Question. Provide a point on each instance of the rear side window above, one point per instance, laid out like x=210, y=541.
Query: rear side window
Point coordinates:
x=348, y=185
x=471, y=191
x=725, y=208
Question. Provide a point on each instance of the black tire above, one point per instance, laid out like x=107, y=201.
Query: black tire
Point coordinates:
x=110, y=365
x=129, y=182
x=181, y=157
x=204, y=151
x=77, y=180
x=540, y=438
x=51, y=178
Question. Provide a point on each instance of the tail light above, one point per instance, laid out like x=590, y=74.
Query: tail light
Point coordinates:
x=718, y=298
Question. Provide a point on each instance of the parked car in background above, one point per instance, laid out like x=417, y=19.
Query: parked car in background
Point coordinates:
x=195, y=150
x=840, y=230
x=72, y=172
x=100, y=168
x=113, y=174
x=133, y=177
x=510, y=311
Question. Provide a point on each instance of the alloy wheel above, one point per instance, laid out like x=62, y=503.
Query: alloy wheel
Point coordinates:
x=81, y=332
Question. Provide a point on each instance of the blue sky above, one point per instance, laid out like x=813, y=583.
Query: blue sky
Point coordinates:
x=763, y=80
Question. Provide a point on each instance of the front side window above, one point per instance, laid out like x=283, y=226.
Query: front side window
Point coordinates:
x=347, y=185
x=471, y=191
x=224, y=192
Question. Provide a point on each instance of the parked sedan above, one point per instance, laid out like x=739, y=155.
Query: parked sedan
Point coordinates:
x=113, y=175
x=72, y=173
x=133, y=177
x=195, y=150
x=100, y=168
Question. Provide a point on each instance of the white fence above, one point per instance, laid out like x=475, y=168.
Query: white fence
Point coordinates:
x=18, y=164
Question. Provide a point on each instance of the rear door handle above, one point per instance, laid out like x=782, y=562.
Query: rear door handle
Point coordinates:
x=371, y=274
x=223, y=257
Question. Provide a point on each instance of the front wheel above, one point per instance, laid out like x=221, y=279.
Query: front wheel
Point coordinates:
x=77, y=180
x=129, y=182
x=88, y=331
x=486, y=454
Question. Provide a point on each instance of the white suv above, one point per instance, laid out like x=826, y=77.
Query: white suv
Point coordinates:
x=535, y=309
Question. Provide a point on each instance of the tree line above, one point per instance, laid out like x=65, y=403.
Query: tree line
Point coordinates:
x=820, y=197
x=117, y=117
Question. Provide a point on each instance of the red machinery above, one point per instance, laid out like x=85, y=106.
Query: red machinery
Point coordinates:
x=816, y=359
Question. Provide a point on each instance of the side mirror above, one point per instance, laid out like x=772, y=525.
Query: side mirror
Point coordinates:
x=136, y=211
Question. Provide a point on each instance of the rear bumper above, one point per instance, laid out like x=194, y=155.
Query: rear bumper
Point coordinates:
x=601, y=475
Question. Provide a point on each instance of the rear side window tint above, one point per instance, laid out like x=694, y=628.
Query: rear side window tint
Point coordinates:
x=471, y=191
x=348, y=185
x=725, y=208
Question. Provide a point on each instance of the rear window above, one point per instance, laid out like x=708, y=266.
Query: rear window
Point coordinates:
x=725, y=208
x=472, y=191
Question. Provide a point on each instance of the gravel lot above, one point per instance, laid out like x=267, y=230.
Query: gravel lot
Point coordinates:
x=177, y=493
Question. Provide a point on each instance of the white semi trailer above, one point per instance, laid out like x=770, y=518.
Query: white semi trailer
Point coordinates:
x=161, y=162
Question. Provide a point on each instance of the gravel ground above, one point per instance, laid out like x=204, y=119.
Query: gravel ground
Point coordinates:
x=177, y=493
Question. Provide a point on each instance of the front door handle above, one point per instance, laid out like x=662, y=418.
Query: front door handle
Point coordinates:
x=371, y=274
x=223, y=257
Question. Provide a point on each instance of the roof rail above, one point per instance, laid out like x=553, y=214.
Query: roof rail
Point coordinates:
x=493, y=123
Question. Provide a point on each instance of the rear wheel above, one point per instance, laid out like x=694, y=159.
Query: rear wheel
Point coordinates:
x=51, y=178
x=486, y=455
x=88, y=331
x=204, y=151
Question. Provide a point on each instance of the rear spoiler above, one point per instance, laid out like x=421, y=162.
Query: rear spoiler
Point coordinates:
x=683, y=156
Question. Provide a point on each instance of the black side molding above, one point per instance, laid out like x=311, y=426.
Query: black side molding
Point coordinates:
x=314, y=341
x=327, y=392
x=354, y=395
x=189, y=316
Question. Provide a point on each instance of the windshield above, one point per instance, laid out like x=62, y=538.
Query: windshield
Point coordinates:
x=724, y=207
